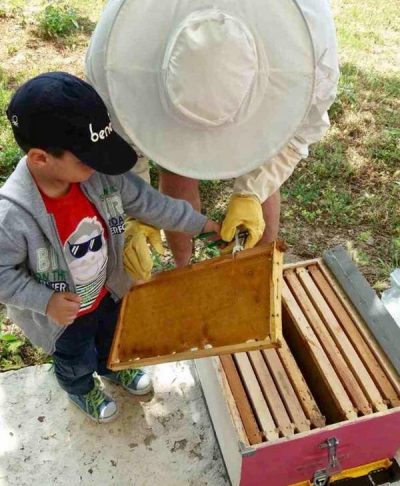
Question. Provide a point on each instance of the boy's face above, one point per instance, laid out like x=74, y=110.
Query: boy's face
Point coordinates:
x=67, y=168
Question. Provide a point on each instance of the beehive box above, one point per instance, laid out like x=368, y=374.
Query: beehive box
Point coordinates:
x=223, y=305
x=335, y=378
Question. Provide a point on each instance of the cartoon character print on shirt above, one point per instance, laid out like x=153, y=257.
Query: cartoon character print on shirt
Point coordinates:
x=86, y=254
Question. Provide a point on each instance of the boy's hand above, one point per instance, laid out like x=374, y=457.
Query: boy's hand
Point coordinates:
x=137, y=255
x=63, y=307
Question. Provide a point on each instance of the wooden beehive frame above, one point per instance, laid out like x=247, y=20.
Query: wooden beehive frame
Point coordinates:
x=249, y=451
x=352, y=370
x=223, y=305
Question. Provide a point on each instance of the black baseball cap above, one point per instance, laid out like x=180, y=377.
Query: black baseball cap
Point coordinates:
x=59, y=110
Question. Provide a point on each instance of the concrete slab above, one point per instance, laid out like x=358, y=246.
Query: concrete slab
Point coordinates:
x=166, y=438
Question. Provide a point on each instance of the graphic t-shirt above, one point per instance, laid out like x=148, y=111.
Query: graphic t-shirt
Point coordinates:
x=83, y=235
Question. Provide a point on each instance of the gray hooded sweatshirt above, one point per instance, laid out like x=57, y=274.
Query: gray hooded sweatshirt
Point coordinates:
x=32, y=261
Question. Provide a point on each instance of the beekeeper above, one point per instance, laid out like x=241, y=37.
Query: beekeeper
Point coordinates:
x=216, y=90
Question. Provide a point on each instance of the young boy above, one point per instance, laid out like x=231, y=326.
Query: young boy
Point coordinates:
x=62, y=233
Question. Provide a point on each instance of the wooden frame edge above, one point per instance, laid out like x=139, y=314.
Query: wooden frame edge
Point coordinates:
x=276, y=293
x=116, y=365
x=221, y=260
x=302, y=263
x=383, y=328
x=233, y=410
x=330, y=427
x=112, y=357
x=222, y=410
x=370, y=340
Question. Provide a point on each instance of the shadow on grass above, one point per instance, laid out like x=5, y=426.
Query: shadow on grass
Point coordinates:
x=360, y=153
x=350, y=184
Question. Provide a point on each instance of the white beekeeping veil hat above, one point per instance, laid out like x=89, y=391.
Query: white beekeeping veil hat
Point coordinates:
x=206, y=89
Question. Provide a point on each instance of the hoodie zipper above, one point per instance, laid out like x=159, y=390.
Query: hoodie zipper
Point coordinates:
x=110, y=246
x=61, y=252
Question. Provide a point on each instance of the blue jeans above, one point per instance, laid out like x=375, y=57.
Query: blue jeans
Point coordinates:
x=84, y=347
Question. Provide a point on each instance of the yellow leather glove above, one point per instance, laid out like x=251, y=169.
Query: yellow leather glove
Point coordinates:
x=137, y=256
x=244, y=211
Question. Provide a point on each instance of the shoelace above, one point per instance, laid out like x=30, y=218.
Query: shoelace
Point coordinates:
x=94, y=399
x=127, y=376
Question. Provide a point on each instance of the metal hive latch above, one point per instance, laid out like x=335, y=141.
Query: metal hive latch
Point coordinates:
x=321, y=477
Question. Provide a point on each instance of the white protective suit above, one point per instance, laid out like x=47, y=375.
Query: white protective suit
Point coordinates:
x=268, y=178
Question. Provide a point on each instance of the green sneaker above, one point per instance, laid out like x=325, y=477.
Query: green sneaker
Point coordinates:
x=136, y=381
x=96, y=404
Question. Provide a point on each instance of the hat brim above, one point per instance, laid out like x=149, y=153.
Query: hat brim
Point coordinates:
x=132, y=63
x=110, y=156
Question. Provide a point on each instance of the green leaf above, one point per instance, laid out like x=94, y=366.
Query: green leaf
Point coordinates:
x=9, y=338
x=14, y=346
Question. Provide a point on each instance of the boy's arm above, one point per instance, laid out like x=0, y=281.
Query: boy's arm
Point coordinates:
x=17, y=287
x=146, y=204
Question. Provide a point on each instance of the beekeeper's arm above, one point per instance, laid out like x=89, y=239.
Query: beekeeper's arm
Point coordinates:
x=252, y=189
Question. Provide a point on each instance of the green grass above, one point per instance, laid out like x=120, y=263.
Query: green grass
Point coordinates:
x=10, y=344
x=9, y=152
x=57, y=20
x=12, y=8
x=351, y=182
x=60, y=20
x=385, y=148
x=15, y=350
x=368, y=31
